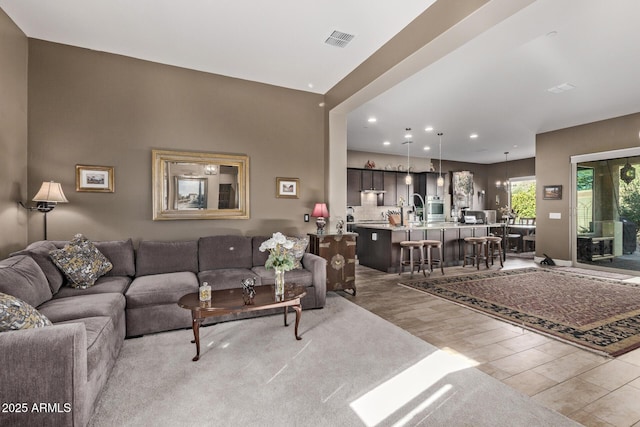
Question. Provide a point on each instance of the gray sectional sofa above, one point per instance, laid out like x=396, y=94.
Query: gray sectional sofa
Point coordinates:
x=66, y=365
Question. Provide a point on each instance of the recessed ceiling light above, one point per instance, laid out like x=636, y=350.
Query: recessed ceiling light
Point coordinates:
x=372, y=120
x=310, y=85
x=426, y=148
x=386, y=143
x=321, y=104
x=473, y=136
x=408, y=135
x=428, y=129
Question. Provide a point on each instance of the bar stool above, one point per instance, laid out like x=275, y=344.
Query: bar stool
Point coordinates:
x=494, y=244
x=428, y=246
x=479, y=245
x=411, y=245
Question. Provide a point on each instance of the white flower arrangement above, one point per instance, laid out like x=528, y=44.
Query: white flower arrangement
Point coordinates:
x=279, y=252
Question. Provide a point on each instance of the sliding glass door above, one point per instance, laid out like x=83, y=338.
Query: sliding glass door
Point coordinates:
x=606, y=210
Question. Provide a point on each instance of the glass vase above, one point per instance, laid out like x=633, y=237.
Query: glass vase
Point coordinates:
x=279, y=284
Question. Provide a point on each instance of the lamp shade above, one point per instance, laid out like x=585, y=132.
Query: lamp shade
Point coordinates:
x=320, y=210
x=50, y=192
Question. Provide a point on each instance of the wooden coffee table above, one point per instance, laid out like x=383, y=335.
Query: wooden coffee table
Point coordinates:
x=230, y=301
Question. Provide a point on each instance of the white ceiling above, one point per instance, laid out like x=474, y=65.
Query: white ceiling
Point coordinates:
x=279, y=42
x=495, y=85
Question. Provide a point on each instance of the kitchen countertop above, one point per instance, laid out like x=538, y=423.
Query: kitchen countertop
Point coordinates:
x=420, y=226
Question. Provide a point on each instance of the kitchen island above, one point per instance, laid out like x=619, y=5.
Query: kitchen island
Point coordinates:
x=379, y=244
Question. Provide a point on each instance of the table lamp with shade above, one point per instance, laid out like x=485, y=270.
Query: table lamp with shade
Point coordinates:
x=320, y=212
x=49, y=195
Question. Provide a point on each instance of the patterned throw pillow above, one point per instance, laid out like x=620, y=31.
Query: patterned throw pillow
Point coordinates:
x=299, y=248
x=81, y=262
x=16, y=314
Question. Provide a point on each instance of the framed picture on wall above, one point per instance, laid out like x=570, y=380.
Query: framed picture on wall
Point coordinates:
x=287, y=188
x=552, y=192
x=95, y=179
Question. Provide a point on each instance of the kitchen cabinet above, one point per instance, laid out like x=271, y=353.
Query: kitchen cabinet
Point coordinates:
x=354, y=186
x=404, y=190
x=432, y=185
x=340, y=252
x=420, y=186
x=372, y=180
x=390, y=189
x=392, y=183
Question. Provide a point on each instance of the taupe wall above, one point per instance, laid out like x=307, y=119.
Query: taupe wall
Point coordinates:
x=94, y=108
x=13, y=135
x=553, y=166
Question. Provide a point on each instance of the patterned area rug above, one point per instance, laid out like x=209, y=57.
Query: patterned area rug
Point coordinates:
x=592, y=312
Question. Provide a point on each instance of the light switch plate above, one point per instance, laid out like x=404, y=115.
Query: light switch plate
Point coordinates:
x=374, y=236
x=306, y=217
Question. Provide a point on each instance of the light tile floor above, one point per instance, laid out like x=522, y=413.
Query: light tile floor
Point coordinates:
x=591, y=389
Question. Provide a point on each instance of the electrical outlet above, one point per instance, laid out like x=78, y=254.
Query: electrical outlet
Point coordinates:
x=306, y=217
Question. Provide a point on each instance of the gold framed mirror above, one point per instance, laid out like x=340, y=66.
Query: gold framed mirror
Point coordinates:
x=197, y=185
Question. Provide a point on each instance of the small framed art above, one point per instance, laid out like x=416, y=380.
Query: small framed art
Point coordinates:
x=552, y=192
x=288, y=188
x=95, y=179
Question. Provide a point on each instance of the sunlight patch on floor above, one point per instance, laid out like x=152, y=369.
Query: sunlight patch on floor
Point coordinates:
x=455, y=353
x=389, y=397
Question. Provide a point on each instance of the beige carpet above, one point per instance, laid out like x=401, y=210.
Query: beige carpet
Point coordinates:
x=351, y=368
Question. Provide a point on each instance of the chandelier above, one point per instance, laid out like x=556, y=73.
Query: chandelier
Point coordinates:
x=504, y=185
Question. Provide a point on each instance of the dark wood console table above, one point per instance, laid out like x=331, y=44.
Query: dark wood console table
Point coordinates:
x=340, y=252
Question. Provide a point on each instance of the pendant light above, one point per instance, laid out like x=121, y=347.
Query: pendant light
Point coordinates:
x=407, y=179
x=440, y=181
x=504, y=184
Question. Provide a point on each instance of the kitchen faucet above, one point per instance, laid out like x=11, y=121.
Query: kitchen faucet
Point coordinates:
x=423, y=206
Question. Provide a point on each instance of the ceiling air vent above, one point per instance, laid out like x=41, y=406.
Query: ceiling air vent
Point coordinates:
x=339, y=39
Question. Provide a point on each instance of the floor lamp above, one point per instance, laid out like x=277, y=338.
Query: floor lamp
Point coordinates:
x=49, y=195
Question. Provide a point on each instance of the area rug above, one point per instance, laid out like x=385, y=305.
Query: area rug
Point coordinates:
x=599, y=314
x=351, y=368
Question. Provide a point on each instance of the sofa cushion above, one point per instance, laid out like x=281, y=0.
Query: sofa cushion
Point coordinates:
x=81, y=306
x=259, y=257
x=105, y=284
x=21, y=277
x=121, y=255
x=160, y=289
x=101, y=342
x=39, y=251
x=16, y=314
x=227, y=278
x=216, y=252
x=166, y=257
x=299, y=276
x=81, y=262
